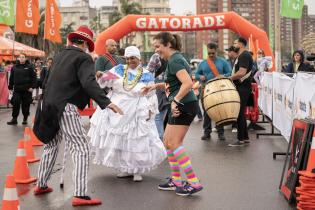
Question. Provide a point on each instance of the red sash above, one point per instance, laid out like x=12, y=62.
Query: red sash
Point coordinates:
x=213, y=68
x=111, y=58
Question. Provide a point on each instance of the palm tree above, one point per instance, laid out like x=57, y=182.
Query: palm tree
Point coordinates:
x=64, y=31
x=114, y=17
x=95, y=24
x=126, y=8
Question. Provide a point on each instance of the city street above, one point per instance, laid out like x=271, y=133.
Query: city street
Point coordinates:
x=244, y=178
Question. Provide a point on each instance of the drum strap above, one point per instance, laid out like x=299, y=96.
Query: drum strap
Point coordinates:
x=213, y=68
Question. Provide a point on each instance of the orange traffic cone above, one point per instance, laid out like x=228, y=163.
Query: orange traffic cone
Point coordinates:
x=30, y=155
x=10, y=196
x=21, y=171
x=29, y=135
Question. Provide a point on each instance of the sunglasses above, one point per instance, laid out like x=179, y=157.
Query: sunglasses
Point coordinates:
x=210, y=53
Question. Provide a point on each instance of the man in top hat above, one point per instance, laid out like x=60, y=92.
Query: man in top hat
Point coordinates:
x=70, y=86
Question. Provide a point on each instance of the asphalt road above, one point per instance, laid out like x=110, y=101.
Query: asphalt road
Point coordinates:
x=244, y=178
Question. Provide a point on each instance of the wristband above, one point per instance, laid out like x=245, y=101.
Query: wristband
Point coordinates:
x=178, y=103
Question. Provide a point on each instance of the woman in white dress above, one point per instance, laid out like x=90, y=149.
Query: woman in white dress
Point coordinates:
x=129, y=143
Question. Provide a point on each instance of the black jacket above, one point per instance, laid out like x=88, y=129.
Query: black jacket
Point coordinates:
x=22, y=77
x=71, y=80
x=44, y=78
x=302, y=67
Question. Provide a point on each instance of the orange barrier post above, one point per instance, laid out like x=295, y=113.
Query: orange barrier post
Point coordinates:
x=30, y=155
x=21, y=171
x=10, y=197
x=29, y=135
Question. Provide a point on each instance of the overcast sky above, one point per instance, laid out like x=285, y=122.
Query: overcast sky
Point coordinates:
x=178, y=7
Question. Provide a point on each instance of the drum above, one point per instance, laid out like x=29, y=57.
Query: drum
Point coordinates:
x=221, y=101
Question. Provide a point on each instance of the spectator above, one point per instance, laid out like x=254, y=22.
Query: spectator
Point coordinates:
x=22, y=81
x=298, y=63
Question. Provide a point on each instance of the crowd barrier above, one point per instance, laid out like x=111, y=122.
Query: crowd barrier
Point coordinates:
x=283, y=98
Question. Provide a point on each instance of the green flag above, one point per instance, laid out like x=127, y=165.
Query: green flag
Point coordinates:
x=204, y=51
x=292, y=8
x=7, y=12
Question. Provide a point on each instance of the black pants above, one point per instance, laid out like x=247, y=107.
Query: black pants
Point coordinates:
x=207, y=126
x=242, y=133
x=19, y=98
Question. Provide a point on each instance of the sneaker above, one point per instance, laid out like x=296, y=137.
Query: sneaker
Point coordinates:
x=85, y=201
x=24, y=121
x=124, y=175
x=206, y=137
x=237, y=144
x=187, y=189
x=40, y=191
x=234, y=130
x=214, y=130
x=221, y=137
x=168, y=186
x=137, y=178
x=246, y=142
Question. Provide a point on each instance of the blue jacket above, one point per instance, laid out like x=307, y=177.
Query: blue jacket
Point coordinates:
x=204, y=69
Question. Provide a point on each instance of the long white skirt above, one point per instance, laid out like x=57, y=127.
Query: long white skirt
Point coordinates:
x=126, y=143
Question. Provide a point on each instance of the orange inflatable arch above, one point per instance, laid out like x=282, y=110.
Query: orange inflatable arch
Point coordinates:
x=227, y=20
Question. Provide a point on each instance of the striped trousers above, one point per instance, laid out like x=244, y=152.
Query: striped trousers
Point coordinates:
x=72, y=131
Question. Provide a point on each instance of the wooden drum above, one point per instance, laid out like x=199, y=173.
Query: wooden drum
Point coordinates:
x=221, y=101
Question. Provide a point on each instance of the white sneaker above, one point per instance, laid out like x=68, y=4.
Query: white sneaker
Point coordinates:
x=214, y=130
x=123, y=175
x=137, y=178
x=234, y=130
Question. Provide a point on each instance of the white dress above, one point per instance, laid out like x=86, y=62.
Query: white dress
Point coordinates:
x=130, y=142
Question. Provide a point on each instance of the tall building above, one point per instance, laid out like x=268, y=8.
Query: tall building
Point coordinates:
x=80, y=13
x=188, y=39
x=255, y=11
x=311, y=24
x=204, y=37
x=104, y=13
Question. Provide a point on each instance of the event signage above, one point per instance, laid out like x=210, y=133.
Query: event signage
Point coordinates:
x=213, y=21
x=266, y=97
x=27, y=16
x=292, y=8
x=305, y=83
x=7, y=12
x=202, y=22
x=283, y=90
x=52, y=22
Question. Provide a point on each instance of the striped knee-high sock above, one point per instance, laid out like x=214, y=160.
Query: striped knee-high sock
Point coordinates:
x=175, y=168
x=184, y=162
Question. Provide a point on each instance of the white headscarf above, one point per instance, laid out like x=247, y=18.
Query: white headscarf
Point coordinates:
x=132, y=51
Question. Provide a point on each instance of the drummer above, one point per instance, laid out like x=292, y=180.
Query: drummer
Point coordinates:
x=207, y=70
